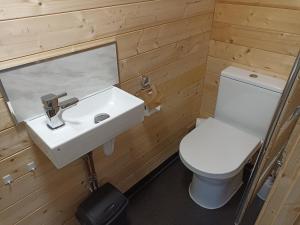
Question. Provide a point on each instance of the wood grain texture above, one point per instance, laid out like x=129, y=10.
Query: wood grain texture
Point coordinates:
x=13, y=140
x=54, y=53
x=256, y=58
x=18, y=8
x=149, y=61
x=282, y=205
x=259, y=17
x=5, y=121
x=134, y=43
x=166, y=40
x=37, y=34
x=261, y=36
x=273, y=41
x=290, y=4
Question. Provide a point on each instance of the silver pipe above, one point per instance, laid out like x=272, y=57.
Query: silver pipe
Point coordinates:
x=92, y=175
x=255, y=174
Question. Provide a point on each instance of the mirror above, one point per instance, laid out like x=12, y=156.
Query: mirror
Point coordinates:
x=80, y=74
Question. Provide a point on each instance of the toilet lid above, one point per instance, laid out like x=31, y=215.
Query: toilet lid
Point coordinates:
x=215, y=149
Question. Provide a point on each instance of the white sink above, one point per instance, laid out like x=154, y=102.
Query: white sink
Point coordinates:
x=81, y=134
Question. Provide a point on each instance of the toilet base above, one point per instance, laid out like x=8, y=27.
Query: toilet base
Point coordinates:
x=214, y=193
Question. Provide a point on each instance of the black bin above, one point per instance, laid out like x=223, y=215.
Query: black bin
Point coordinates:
x=106, y=206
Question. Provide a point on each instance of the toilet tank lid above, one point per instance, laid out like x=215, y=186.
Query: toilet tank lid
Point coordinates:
x=253, y=78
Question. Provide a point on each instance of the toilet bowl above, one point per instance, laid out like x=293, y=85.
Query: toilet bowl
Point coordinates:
x=216, y=153
x=218, y=148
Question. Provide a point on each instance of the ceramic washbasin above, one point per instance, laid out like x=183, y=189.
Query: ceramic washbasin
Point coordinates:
x=81, y=133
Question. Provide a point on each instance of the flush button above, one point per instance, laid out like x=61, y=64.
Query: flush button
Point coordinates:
x=253, y=75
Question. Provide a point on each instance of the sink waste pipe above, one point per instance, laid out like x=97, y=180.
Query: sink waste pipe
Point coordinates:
x=92, y=175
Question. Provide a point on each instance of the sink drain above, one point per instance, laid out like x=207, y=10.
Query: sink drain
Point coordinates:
x=100, y=117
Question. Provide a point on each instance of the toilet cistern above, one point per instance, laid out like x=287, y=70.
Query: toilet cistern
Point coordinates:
x=54, y=109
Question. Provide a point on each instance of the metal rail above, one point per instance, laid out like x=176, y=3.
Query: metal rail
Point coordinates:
x=255, y=175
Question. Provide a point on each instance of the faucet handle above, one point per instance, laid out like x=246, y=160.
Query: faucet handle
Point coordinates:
x=63, y=94
x=52, y=99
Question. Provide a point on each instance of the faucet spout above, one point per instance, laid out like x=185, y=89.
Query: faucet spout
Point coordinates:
x=54, y=109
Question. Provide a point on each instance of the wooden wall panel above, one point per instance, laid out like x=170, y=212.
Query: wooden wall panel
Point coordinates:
x=291, y=4
x=17, y=8
x=260, y=35
x=30, y=35
x=282, y=205
x=268, y=40
x=13, y=140
x=6, y=120
x=133, y=43
x=166, y=40
x=252, y=57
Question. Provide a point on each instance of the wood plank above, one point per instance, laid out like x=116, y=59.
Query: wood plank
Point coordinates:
x=13, y=140
x=170, y=148
x=210, y=92
x=141, y=64
x=5, y=121
x=127, y=44
x=208, y=105
x=285, y=20
x=12, y=9
x=273, y=41
x=283, y=184
x=252, y=57
x=194, y=7
x=54, y=53
x=58, y=183
x=167, y=72
x=133, y=43
x=216, y=65
x=29, y=9
x=289, y=211
x=15, y=165
x=37, y=34
x=290, y=4
x=56, y=211
x=146, y=62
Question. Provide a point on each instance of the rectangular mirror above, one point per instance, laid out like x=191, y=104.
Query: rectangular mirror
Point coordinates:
x=80, y=74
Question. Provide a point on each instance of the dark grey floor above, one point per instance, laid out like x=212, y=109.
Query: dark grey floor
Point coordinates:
x=165, y=201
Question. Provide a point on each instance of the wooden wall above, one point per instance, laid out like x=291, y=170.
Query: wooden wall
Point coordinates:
x=260, y=35
x=282, y=205
x=166, y=40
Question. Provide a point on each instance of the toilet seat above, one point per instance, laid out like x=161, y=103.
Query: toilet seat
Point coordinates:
x=217, y=150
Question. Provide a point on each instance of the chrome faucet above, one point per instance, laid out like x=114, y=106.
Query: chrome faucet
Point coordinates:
x=54, y=109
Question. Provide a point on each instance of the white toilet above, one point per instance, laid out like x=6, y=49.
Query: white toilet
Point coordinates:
x=218, y=148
